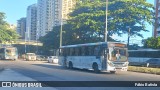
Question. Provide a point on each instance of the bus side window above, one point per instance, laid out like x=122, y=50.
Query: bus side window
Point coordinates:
x=72, y=51
x=97, y=51
x=86, y=51
x=91, y=51
x=83, y=51
x=67, y=51
x=80, y=51
x=76, y=51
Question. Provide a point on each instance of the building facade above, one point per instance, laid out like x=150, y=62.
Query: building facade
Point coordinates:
x=21, y=27
x=44, y=17
x=51, y=13
x=31, y=22
x=61, y=10
x=156, y=29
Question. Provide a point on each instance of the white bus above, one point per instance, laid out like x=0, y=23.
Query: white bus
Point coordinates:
x=139, y=57
x=99, y=56
x=9, y=53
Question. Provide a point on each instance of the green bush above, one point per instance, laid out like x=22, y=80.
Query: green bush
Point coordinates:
x=144, y=70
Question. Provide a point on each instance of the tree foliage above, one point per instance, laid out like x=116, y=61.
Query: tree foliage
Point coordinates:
x=6, y=34
x=90, y=16
x=152, y=43
x=87, y=21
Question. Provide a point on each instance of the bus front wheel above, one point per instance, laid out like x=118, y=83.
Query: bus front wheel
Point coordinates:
x=95, y=67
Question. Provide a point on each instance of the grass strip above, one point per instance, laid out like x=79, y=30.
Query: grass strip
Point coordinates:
x=144, y=70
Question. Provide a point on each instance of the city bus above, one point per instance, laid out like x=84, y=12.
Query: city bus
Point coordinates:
x=99, y=56
x=9, y=53
x=139, y=57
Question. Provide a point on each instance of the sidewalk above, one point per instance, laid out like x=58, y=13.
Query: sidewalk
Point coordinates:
x=10, y=75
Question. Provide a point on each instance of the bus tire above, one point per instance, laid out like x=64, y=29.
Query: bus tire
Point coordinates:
x=70, y=66
x=95, y=67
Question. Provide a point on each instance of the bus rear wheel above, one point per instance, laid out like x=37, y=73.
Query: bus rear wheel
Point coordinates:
x=95, y=67
x=70, y=65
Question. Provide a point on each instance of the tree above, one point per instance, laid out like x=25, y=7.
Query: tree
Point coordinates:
x=86, y=23
x=152, y=43
x=6, y=34
x=89, y=17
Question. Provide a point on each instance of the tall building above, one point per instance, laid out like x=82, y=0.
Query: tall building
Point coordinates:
x=156, y=30
x=44, y=17
x=21, y=27
x=50, y=13
x=61, y=10
x=31, y=22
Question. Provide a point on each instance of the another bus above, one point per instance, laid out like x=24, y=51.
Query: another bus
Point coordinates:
x=99, y=56
x=9, y=53
x=139, y=57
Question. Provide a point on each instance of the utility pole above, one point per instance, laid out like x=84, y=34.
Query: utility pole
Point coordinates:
x=61, y=25
x=128, y=35
x=25, y=45
x=106, y=31
x=104, y=65
x=37, y=36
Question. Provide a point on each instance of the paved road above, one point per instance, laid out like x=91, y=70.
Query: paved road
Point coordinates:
x=43, y=71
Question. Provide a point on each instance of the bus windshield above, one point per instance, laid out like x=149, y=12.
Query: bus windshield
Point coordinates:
x=10, y=51
x=118, y=54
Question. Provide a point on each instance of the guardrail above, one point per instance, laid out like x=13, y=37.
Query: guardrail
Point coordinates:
x=23, y=42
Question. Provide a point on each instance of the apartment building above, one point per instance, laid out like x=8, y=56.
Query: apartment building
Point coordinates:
x=45, y=14
x=21, y=27
x=156, y=27
x=51, y=13
x=31, y=22
x=62, y=9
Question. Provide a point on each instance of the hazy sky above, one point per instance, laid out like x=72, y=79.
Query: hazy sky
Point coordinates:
x=15, y=9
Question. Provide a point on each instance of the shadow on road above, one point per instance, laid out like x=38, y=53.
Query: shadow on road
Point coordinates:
x=52, y=66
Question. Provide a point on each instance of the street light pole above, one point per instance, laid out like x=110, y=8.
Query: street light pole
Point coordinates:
x=104, y=65
x=61, y=34
x=106, y=31
x=37, y=36
x=61, y=27
x=25, y=45
x=128, y=36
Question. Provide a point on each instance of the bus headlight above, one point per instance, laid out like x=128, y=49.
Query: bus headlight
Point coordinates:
x=125, y=64
x=110, y=64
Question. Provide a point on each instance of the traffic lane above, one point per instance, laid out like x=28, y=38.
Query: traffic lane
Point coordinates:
x=82, y=75
x=52, y=68
x=76, y=74
x=107, y=88
x=104, y=76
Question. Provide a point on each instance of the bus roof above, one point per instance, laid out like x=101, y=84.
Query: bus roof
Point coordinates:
x=90, y=44
x=145, y=50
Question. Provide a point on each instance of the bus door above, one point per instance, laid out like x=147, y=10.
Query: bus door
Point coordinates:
x=104, y=51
